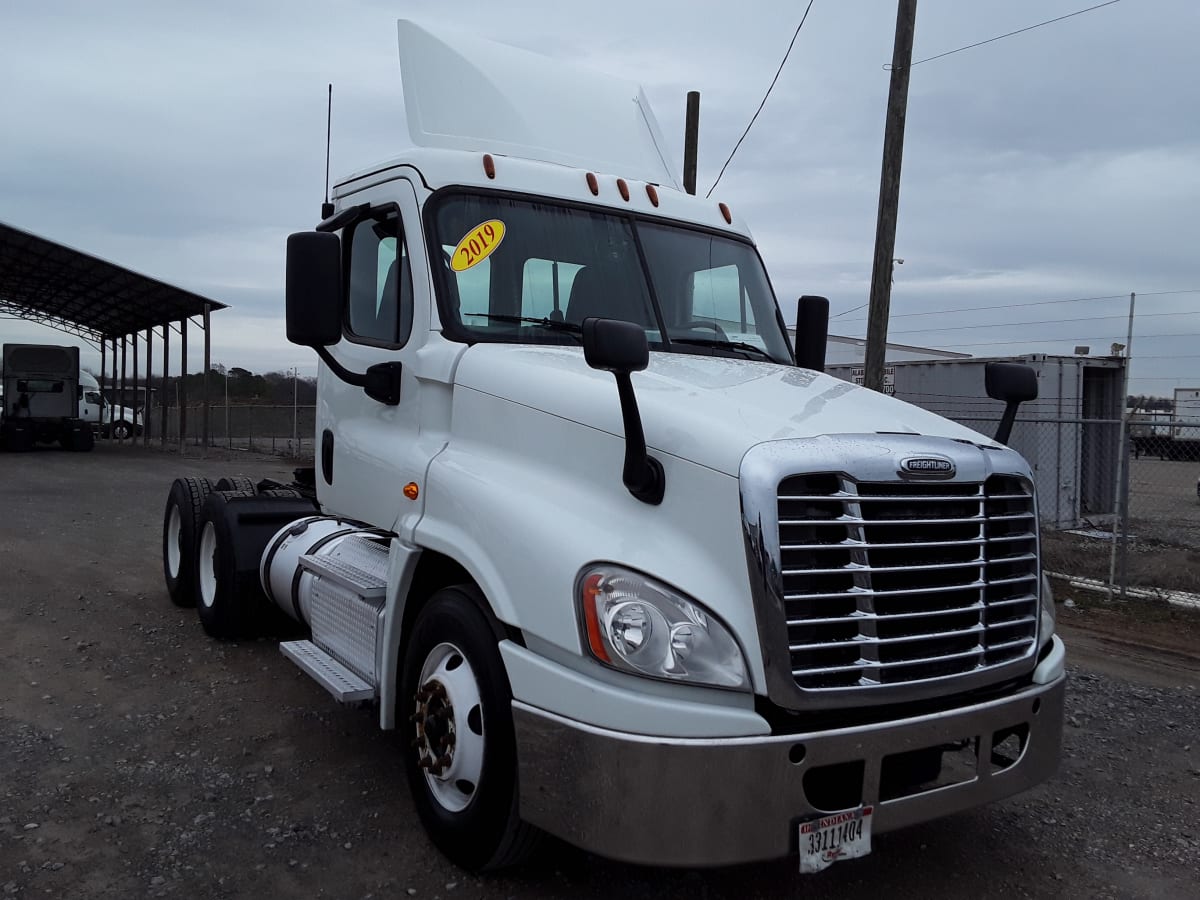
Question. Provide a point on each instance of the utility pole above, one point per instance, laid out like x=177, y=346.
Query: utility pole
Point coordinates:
x=691, y=140
x=889, y=198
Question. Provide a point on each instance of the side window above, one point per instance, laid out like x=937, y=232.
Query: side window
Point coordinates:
x=545, y=287
x=717, y=296
x=93, y=397
x=379, y=294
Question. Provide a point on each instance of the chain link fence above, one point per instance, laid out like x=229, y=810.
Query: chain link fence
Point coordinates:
x=1124, y=513
x=286, y=430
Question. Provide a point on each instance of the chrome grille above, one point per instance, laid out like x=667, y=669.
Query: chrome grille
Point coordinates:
x=897, y=582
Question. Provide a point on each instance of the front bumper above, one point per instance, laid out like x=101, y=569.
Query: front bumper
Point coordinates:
x=707, y=802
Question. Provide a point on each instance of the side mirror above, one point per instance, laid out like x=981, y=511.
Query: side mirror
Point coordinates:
x=314, y=289
x=812, y=332
x=611, y=345
x=620, y=347
x=1012, y=383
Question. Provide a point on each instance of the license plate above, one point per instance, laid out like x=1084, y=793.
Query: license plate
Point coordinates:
x=827, y=839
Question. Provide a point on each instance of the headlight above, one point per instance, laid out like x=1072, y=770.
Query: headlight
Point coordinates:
x=1046, y=628
x=640, y=625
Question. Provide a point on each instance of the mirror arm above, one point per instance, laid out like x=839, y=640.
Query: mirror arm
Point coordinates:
x=1006, y=422
x=339, y=370
x=643, y=474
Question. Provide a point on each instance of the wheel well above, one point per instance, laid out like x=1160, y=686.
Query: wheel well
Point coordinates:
x=434, y=572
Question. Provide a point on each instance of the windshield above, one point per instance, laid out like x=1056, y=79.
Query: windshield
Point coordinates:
x=531, y=271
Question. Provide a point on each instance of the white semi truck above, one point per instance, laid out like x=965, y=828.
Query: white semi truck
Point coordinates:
x=617, y=563
x=117, y=422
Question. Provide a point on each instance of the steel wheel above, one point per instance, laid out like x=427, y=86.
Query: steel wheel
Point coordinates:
x=449, y=722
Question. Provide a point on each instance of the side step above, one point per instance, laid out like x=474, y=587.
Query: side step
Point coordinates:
x=345, y=686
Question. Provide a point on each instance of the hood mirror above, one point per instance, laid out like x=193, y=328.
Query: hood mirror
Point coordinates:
x=620, y=347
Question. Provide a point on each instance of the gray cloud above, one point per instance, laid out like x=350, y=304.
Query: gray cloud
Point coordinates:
x=1055, y=164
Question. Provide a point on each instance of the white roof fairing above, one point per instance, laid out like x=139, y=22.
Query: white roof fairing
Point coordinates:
x=465, y=93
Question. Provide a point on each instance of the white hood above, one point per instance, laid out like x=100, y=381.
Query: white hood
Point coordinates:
x=704, y=409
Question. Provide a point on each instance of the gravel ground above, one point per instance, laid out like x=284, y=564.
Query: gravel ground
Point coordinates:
x=139, y=758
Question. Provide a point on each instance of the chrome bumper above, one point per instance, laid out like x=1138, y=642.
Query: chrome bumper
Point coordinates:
x=707, y=802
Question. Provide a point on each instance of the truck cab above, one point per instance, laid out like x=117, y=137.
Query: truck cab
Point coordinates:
x=617, y=567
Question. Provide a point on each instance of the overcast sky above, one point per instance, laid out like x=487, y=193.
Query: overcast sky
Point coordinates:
x=1057, y=164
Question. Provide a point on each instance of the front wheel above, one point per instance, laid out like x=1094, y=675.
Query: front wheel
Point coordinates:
x=461, y=759
x=122, y=430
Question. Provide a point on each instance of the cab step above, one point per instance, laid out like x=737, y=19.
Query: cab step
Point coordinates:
x=343, y=684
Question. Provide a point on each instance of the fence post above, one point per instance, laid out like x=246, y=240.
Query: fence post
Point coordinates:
x=1123, y=512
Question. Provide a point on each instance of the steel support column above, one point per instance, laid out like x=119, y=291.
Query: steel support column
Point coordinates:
x=148, y=402
x=166, y=367
x=183, y=324
x=204, y=382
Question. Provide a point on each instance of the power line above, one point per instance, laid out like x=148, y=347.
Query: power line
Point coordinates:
x=764, y=100
x=1075, y=340
x=1010, y=34
x=941, y=312
x=1040, y=322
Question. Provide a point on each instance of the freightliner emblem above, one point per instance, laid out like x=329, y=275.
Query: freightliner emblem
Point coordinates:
x=927, y=467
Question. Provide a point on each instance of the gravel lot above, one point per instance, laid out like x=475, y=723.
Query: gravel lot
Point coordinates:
x=139, y=758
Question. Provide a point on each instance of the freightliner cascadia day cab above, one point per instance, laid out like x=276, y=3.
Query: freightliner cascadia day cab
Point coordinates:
x=614, y=560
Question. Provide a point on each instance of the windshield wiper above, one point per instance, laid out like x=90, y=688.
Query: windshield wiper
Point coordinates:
x=552, y=324
x=730, y=345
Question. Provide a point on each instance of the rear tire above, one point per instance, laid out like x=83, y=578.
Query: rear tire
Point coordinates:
x=230, y=606
x=457, y=701
x=181, y=526
x=235, y=483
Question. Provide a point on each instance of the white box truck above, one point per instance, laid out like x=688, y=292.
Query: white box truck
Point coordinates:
x=40, y=398
x=617, y=562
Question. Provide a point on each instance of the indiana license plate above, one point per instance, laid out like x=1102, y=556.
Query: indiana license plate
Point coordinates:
x=837, y=836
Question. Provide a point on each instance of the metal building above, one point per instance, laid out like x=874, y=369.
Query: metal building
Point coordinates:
x=1069, y=434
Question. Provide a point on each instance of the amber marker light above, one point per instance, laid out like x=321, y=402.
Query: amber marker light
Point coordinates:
x=489, y=165
x=623, y=188
x=591, y=621
x=411, y=491
x=652, y=193
x=593, y=184
x=726, y=213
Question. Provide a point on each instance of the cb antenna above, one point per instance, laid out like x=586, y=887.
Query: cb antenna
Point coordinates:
x=327, y=207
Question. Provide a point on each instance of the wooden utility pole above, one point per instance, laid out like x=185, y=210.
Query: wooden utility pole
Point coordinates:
x=889, y=198
x=691, y=139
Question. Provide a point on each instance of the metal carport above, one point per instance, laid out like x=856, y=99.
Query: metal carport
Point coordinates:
x=108, y=306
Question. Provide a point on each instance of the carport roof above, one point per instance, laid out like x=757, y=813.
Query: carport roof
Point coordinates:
x=43, y=281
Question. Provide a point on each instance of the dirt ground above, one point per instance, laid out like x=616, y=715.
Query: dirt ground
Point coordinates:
x=140, y=758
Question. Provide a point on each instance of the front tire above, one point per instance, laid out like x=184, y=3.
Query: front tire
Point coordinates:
x=461, y=761
x=181, y=526
x=122, y=431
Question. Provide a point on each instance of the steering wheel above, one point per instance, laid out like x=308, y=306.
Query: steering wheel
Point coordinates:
x=703, y=323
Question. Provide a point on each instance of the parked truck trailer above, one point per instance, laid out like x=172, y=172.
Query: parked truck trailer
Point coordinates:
x=618, y=563
x=40, y=398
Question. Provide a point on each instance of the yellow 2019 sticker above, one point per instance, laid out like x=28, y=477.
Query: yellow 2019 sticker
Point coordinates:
x=477, y=245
